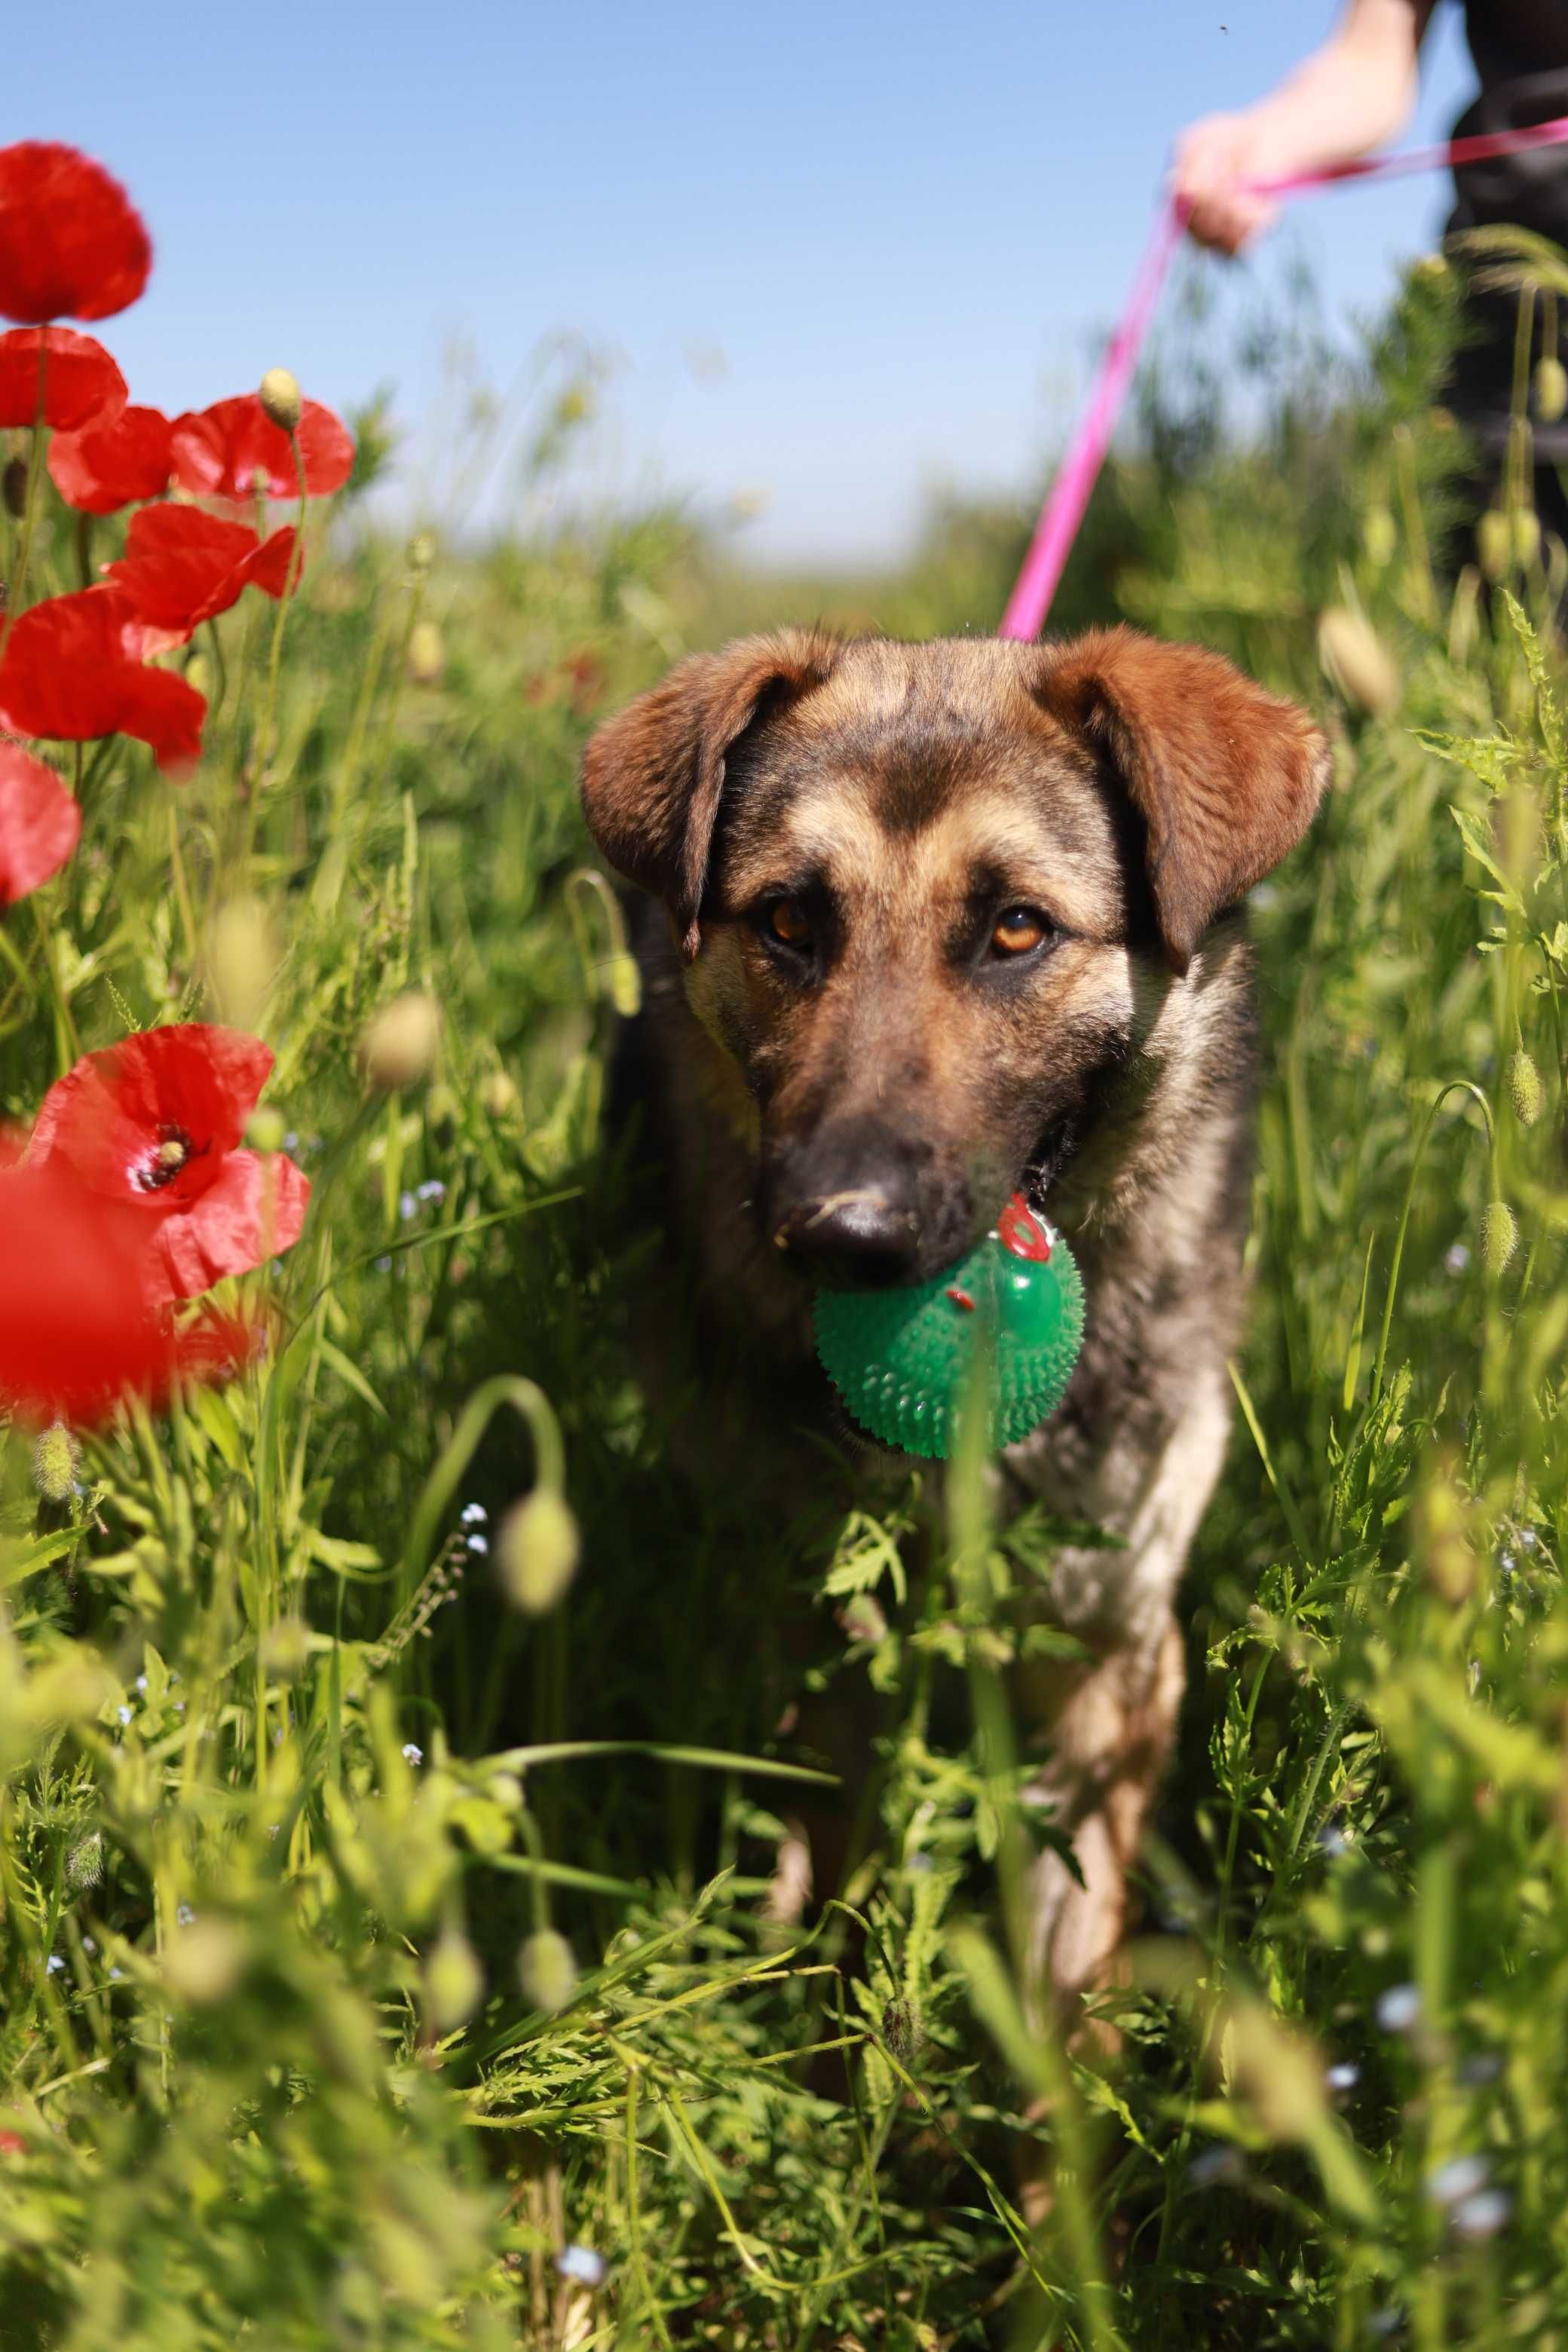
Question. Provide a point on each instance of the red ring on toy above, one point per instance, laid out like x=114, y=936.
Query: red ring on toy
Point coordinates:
x=1019, y=1230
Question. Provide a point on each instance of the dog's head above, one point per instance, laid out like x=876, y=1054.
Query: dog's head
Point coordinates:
x=929, y=894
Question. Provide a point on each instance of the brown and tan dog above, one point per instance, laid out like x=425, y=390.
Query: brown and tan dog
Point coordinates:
x=946, y=920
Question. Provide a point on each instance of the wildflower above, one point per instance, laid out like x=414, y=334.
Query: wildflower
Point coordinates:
x=407, y=1207
x=78, y=1328
x=432, y=1189
x=478, y=1545
x=1481, y=2216
x=72, y=244
x=412, y=1754
x=40, y=823
x=1398, y=2008
x=234, y=448
x=1344, y=2076
x=581, y=2264
x=141, y=1681
x=55, y=1964
x=123, y=1715
x=383, y=1265
x=67, y=672
x=12, y=2144
x=181, y=567
x=183, y=1914
x=1334, y=1841
x=1357, y=661
x=1456, y=1258
x=536, y=1550
x=154, y=1122
x=106, y=466
x=1214, y=2166
x=398, y=1049
x=279, y=393
x=472, y=1514
x=547, y=1971
x=1460, y=2178
x=56, y=377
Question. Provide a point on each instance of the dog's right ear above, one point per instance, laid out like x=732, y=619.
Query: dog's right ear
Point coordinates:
x=653, y=774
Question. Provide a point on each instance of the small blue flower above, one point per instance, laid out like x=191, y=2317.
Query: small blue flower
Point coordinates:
x=141, y=1681
x=183, y=1914
x=472, y=1514
x=1398, y=2008
x=432, y=1189
x=1334, y=1841
x=54, y=1964
x=1388, y=2321
x=383, y=1265
x=1344, y=2076
x=406, y=1206
x=290, y=1140
x=1457, y=1258
x=479, y=1544
x=1214, y=2164
x=1528, y=1539
x=116, y=1976
x=1482, y=2215
x=1460, y=2178
x=581, y=2263
x=124, y=1713
x=412, y=1754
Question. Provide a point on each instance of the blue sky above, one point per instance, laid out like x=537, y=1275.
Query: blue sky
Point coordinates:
x=835, y=254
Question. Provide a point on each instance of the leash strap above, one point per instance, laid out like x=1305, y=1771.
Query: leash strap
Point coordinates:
x=1069, y=493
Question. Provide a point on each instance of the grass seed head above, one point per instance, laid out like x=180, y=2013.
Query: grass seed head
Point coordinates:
x=280, y=396
x=536, y=1551
x=547, y=1971
x=1357, y=661
x=398, y=1049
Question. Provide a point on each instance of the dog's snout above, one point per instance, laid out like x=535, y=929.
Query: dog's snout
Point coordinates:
x=847, y=1215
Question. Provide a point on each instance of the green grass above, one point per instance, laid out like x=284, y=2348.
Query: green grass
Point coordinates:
x=297, y=1801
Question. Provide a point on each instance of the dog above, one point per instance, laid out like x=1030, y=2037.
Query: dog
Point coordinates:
x=938, y=923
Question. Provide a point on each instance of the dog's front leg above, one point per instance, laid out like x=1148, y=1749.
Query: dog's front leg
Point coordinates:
x=1111, y=1721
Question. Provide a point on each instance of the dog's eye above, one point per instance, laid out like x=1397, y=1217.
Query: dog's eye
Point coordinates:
x=787, y=922
x=1017, y=931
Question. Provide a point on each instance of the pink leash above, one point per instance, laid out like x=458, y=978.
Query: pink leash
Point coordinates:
x=1076, y=477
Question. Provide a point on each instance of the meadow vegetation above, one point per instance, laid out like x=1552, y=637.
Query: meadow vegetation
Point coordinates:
x=388, y=1958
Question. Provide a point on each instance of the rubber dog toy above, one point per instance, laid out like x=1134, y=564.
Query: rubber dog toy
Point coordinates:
x=903, y=1361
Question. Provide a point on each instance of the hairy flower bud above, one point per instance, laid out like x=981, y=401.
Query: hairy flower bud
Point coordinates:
x=442, y=1112
x=398, y=1049
x=204, y=1961
x=1494, y=542
x=279, y=397
x=1500, y=1236
x=499, y=1095
x=265, y=1128
x=536, y=1550
x=84, y=1864
x=622, y=985
x=241, y=959
x=55, y=1460
x=547, y=1971
x=1525, y=536
x=454, y=1981
x=284, y=1649
x=1524, y=1088
x=1551, y=389
x=1357, y=661
x=426, y=655
x=1379, y=536
x=421, y=551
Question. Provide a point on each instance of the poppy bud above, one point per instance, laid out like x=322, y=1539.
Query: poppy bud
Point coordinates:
x=84, y=1864
x=499, y=1095
x=265, y=1128
x=442, y=1111
x=1524, y=1090
x=547, y=1971
x=284, y=1649
x=242, y=957
x=1494, y=542
x=1551, y=389
x=13, y=487
x=1443, y=1534
x=55, y=1460
x=398, y=1049
x=622, y=985
x=505, y=1789
x=1526, y=537
x=204, y=1961
x=1379, y=536
x=421, y=551
x=1500, y=1236
x=1356, y=660
x=536, y=1550
x=454, y=1981
x=426, y=655
x=279, y=397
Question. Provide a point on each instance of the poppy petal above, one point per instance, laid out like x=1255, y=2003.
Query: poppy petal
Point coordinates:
x=222, y=451
x=81, y=384
x=113, y=1112
x=106, y=467
x=181, y=567
x=72, y=244
x=255, y=1210
x=66, y=674
x=40, y=824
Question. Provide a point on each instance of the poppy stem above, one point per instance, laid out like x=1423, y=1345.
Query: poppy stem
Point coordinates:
x=67, y=1043
x=290, y=581
x=214, y=637
x=84, y=548
x=15, y=586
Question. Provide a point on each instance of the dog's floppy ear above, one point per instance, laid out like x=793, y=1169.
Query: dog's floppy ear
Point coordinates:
x=653, y=774
x=1225, y=776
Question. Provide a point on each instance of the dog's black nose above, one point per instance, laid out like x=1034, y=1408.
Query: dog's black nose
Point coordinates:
x=859, y=1236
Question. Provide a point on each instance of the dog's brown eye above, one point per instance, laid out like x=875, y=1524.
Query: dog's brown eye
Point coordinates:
x=789, y=923
x=1018, y=930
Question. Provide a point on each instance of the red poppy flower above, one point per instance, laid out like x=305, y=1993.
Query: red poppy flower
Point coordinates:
x=81, y=383
x=70, y=672
x=106, y=467
x=181, y=566
x=78, y=1327
x=72, y=244
x=40, y=824
x=155, y=1122
x=219, y=451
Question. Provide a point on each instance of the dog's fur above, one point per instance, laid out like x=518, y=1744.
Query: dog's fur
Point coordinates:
x=864, y=1104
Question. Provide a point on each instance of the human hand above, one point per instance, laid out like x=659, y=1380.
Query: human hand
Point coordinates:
x=1213, y=159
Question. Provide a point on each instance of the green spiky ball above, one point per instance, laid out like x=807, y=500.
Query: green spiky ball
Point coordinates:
x=903, y=1361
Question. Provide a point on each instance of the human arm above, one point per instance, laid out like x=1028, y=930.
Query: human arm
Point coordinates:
x=1349, y=96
